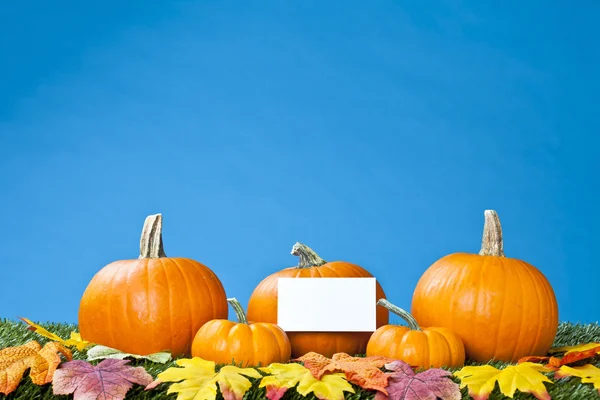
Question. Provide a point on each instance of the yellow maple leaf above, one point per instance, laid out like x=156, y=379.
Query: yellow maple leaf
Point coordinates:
x=42, y=362
x=331, y=386
x=588, y=374
x=573, y=349
x=198, y=380
x=526, y=377
x=74, y=341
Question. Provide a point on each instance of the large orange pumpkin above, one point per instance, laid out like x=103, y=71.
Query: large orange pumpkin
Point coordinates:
x=502, y=308
x=419, y=347
x=155, y=303
x=263, y=304
x=246, y=343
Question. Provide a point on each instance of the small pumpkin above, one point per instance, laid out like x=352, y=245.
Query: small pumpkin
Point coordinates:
x=416, y=346
x=502, y=308
x=262, y=305
x=246, y=343
x=155, y=303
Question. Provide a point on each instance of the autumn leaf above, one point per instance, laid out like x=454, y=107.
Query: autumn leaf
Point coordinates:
x=74, y=341
x=331, y=386
x=526, y=377
x=572, y=355
x=432, y=384
x=577, y=348
x=102, y=352
x=109, y=380
x=198, y=380
x=588, y=374
x=42, y=362
x=363, y=371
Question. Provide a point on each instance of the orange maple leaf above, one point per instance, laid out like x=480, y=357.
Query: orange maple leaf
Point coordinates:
x=42, y=362
x=572, y=355
x=363, y=371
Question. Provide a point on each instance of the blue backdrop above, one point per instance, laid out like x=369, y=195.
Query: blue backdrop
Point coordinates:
x=375, y=132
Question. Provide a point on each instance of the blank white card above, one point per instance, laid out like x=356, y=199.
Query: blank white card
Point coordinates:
x=327, y=304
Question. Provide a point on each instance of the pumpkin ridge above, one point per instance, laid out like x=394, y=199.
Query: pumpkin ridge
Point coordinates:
x=535, y=281
x=521, y=294
x=165, y=269
x=504, y=290
x=111, y=298
x=207, y=287
x=463, y=271
x=193, y=310
x=477, y=284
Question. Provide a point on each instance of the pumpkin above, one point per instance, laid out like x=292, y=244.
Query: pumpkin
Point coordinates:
x=502, y=308
x=246, y=343
x=262, y=305
x=418, y=347
x=155, y=303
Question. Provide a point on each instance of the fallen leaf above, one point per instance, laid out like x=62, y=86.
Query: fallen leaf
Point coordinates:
x=526, y=377
x=588, y=374
x=363, y=371
x=576, y=348
x=109, y=380
x=571, y=356
x=330, y=386
x=74, y=341
x=534, y=359
x=432, y=384
x=42, y=362
x=198, y=380
x=102, y=352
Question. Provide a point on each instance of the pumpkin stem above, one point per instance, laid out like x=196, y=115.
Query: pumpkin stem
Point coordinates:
x=151, y=244
x=405, y=315
x=239, y=310
x=491, y=244
x=308, y=257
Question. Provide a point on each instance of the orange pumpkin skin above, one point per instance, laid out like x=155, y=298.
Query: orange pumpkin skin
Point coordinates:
x=262, y=305
x=151, y=304
x=502, y=308
x=248, y=343
x=418, y=347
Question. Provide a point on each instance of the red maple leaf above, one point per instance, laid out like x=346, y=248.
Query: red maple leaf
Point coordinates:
x=111, y=379
x=432, y=384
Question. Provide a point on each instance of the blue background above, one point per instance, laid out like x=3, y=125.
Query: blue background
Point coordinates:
x=375, y=132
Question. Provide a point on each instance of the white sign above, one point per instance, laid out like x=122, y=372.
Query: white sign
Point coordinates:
x=327, y=304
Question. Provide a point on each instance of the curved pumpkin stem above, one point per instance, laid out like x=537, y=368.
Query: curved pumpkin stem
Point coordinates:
x=239, y=310
x=151, y=243
x=405, y=315
x=308, y=257
x=492, y=244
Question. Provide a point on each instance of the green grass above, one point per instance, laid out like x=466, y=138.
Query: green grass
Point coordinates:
x=15, y=334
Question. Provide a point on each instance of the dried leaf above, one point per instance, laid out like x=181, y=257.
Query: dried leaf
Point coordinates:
x=42, y=362
x=198, y=380
x=576, y=348
x=572, y=355
x=102, y=352
x=588, y=374
x=331, y=386
x=363, y=371
x=526, y=377
x=109, y=380
x=74, y=341
x=433, y=384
